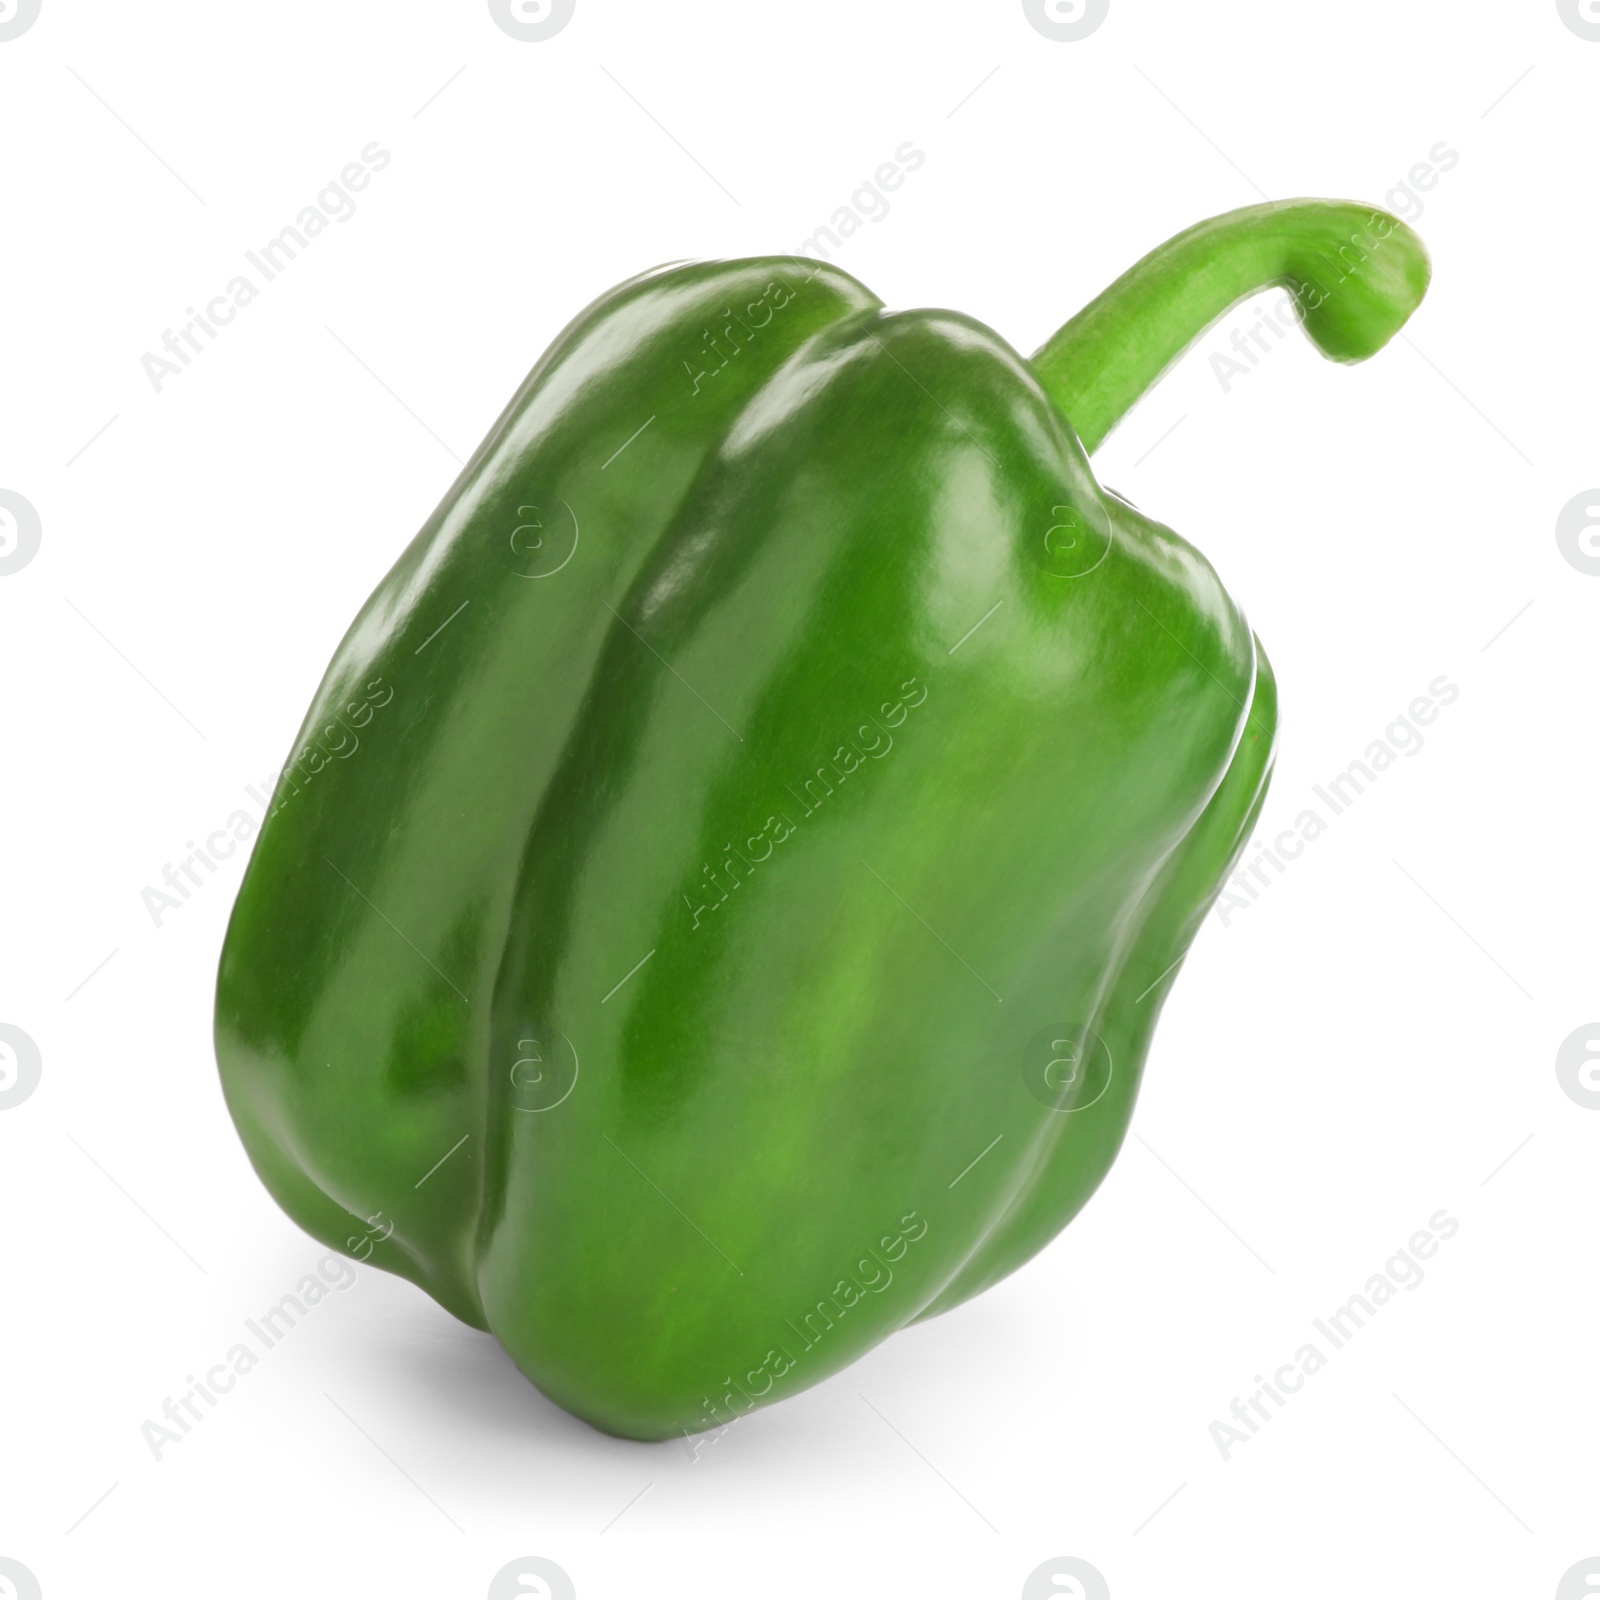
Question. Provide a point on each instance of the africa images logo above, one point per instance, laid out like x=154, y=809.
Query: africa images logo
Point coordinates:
x=16, y=17
x=531, y=21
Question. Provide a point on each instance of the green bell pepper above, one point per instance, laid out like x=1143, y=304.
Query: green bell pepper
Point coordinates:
x=719, y=901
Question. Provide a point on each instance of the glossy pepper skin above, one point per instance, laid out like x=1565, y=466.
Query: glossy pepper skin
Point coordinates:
x=717, y=909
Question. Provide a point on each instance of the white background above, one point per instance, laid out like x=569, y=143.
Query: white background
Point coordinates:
x=1372, y=1040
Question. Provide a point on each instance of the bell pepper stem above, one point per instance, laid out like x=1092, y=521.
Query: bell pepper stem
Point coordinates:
x=1354, y=273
